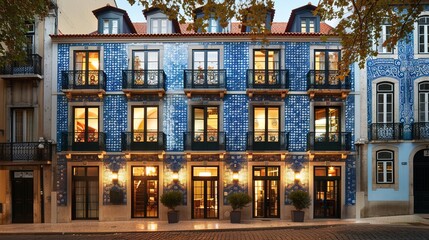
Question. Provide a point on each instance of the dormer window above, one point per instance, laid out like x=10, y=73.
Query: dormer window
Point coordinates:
x=308, y=25
x=212, y=25
x=159, y=25
x=110, y=26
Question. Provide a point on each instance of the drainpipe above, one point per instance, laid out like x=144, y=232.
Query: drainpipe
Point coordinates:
x=42, y=198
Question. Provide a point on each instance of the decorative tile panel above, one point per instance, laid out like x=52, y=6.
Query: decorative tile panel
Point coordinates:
x=297, y=112
x=236, y=122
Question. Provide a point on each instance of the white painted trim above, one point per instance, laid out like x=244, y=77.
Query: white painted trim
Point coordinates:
x=396, y=109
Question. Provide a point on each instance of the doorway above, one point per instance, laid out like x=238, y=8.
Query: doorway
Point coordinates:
x=266, y=188
x=145, y=192
x=421, y=181
x=85, y=193
x=205, y=192
x=327, y=189
x=22, y=197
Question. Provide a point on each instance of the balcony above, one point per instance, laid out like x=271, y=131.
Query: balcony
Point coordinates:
x=204, y=141
x=267, y=82
x=19, y=152
x=273, y=141
x=385, y=131
x=141, y=141
x=83, y=141
x=324, y=82
x=331, y=141
x=143, y=82
x=30, y=68
x=420, y=130
x=204, y=82
x=84, y=82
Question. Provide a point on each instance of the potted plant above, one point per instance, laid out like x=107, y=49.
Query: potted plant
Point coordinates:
x=171, y=200
x=238, y=200
x=300, y=200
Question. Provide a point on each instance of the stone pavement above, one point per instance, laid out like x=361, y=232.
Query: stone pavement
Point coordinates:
x=139, y=225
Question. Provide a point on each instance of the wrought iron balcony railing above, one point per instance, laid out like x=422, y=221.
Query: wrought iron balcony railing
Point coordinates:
x=83, y=141
x=143, y=141
x=204, y=141
x=325, y=79
x=386, y=131
x=26, y=151
x=204, y=79
x=271, y=140
x=267, y=79
x=420, y=130
x=32, y=65
x=83, y=79
x=143, y=79
x=329, y=141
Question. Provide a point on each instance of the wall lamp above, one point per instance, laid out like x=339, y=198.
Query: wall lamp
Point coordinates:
x=297, y=176
x=235, y=177
x=114, y=177
x=175, y=176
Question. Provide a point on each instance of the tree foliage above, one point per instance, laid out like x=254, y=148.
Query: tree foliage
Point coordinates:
x=361, y=23
x=14, y=17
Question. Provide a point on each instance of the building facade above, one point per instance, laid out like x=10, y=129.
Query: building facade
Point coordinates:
x=27, y=148
x=393, y=147
x=207, y=114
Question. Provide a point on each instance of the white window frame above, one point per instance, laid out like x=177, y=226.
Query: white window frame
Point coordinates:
x=374, y=101
x=158, y=22
x=108, y=26
x=417, y=53
x=383, y=37
x=384, y=163
x=384, y=105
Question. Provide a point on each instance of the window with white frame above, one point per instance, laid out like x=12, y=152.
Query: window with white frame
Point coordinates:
x=110, y=26
x=385, y=102
x=384, y=35
x=423, y=34
x=424, y=102
x=159, y=25
x=385, y=166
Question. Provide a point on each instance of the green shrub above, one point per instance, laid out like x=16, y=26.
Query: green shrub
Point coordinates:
x=238, y=200
x=171, y=199
x=300, y=199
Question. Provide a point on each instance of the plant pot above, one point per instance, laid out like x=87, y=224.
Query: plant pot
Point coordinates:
x=173, y=216
x=235, y=216
x=297, y=216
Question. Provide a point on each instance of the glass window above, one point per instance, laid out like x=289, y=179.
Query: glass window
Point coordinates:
x=86, y=124
x=385, y=166
x=212, y=25
x=29, y=47
x=423, y=40
x=385, y=34
x=327, y=124
x=145, y=124
x=22, y=125
x=205, y=66
x=266, y=124
x=159, y=25
x=146, y=67
x=110, y=26
x=308, y=25
x=86, y=66
x=265, y=64
x=206, y=124
x=424, y=102
x=385, y=103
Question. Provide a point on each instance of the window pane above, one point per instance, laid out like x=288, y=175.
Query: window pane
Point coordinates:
x=259, y=171
x=319, y=60
x=138, y=119
x=163, y=25
x=93, y=61
x=139, y=60
x=273, y=171
x=114, y=26
x=259, y=59
x=303, y=25
x=105, y=26
x=212, y=60
x=80, y=61
x=199, y=60
x=92, y=171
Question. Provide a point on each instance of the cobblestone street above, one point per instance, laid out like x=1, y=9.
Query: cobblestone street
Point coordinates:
x=349, y=231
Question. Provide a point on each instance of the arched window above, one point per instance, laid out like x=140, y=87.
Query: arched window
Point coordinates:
x=385, y=99
x=385, y=160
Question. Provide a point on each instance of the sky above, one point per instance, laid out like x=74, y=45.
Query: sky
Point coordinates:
x=283, y=9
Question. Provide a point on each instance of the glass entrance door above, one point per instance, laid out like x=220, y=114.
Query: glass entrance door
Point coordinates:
x=145, y=192
x=421, y=182
x=85, y=193
x=327, y=192
x=266, y=201
x=205, y=192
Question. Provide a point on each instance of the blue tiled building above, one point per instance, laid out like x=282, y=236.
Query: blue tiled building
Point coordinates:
x=393, y=145
x=144, y=109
